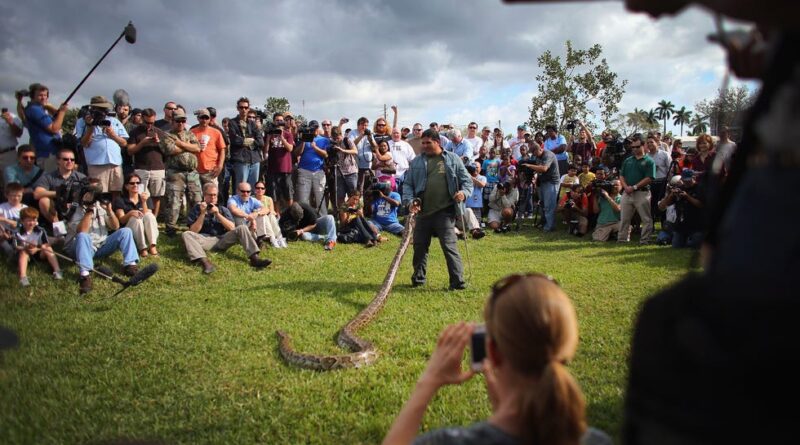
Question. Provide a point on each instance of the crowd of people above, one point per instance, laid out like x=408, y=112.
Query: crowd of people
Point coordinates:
x=261, y=180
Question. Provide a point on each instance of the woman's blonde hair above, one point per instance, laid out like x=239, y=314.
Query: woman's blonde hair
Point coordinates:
x=533, y=325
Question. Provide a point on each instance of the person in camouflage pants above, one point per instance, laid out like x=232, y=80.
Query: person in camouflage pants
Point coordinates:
x=181, y=175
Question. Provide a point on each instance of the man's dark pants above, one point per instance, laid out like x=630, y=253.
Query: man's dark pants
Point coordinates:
x=442, y=224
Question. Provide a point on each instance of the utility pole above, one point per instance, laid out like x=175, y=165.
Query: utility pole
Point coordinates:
x=384, y=113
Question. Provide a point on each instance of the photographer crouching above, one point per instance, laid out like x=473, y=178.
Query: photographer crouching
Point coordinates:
x=686, y=196
x=501, y=206
x=574, y=207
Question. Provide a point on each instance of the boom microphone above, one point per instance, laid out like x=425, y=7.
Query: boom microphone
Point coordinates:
x=130, y=33
x=145, y=273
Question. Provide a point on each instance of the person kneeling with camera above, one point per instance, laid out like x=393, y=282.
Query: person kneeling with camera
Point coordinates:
x=531, y=333
x=88, y=237
x=575, y=209
x=211, y=227
x=501, y=206
x=686, y=195
x=607, y=207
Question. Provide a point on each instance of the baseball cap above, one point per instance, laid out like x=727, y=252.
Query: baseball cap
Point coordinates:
x=179, y=113
x=202, y=112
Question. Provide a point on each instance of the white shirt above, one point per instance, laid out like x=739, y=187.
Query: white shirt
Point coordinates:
x=7, y=138
x=515, y=144
x=663, y=161
x=476, y=144
x=402, y=154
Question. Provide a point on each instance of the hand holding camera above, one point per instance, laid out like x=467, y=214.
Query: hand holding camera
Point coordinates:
x=444, y=366
x=203, y=207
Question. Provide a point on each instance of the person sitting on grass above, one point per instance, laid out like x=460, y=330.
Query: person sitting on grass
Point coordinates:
x=384, y=207
x=353, y=227
x=88, y=237
x=31, y=240
x=270, y=216
x=9, y=217
x=531, y=333
x=133, y=210
x=211, y=227
x=300, y=221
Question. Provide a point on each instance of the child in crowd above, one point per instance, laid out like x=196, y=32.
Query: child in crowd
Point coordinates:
x=9, y=217
x=568, y=180
x=353, y=228
x=30, y=240
x=586, y=177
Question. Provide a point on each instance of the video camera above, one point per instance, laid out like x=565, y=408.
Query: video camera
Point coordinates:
x=380, y=187
x=275, y=129
x=606, y=185
x=307, y=133
x=75, y=193
x=615, y=152
x=572, y=125
x=99, y=117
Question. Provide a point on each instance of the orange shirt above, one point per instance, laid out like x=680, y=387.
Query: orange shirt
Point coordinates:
x=207, y=159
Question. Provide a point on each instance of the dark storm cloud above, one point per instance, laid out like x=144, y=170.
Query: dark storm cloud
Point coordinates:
x=340, y=57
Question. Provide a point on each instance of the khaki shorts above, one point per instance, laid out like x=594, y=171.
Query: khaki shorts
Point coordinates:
x=156, y=184
x=110, y=176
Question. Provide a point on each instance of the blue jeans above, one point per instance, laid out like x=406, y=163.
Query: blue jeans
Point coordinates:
x=245, y=172
x=395, y=227
x=687, y=239
x=548, y=192
x=82, y=250
x=325, y=229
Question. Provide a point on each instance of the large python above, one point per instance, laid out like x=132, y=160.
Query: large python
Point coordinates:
x=363, y=352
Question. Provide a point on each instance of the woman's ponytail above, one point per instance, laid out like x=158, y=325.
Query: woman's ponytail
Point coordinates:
x=554, y=406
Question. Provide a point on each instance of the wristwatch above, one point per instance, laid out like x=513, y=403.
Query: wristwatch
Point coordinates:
x=635, y=188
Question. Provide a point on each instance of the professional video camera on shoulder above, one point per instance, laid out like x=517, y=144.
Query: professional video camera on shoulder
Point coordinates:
x=379, y=188
x=83, y=193
x=308, y=131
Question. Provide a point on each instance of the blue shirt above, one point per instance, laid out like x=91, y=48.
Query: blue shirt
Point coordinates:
x=14, y=173
x=246, y=206
x=102, y=150
x=492, y=169
x=552, y=144
x=475, y=200
x=461, y=149
x=311, y=160
x=37, y=119
x=383, y=212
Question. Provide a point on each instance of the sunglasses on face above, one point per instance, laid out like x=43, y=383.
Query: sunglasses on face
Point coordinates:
x=241, y=107
x=134, y=183
x=171, y=108
x=29, y=158
x=473, y=128
x=68, y=159
x=203, y=118
x=244, y=191
x=258, y=187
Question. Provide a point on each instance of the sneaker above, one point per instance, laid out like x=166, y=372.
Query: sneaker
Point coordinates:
x=330, y=245
x=275, y=242
x=283, y=243
x=24, y=282
x=130, y=270
x=85, y=283
x=58, y=275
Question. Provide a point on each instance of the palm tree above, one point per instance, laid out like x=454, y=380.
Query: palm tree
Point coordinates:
x=681, y=117
x=699, y=124
x=651, y=117
x=665, y=109
x=634, y=119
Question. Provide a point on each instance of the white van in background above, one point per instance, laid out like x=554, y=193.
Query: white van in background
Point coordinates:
x=691, y=141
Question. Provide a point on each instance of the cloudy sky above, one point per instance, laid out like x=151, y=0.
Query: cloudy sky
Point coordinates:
x=443, y=60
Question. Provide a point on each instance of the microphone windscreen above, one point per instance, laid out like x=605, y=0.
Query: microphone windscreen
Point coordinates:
x=130, y=33
x=145, y=273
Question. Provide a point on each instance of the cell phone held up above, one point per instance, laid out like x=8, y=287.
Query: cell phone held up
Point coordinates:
x=478, y=347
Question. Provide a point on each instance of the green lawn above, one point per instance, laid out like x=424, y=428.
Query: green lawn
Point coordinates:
x=188, y=358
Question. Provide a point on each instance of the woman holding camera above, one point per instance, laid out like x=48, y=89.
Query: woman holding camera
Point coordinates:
x=531, y=332
x=133, y=211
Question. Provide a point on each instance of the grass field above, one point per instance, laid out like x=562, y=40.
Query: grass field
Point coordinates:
x=188, y=358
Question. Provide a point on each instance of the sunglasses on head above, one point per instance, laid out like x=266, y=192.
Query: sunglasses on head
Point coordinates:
x=504, y=283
